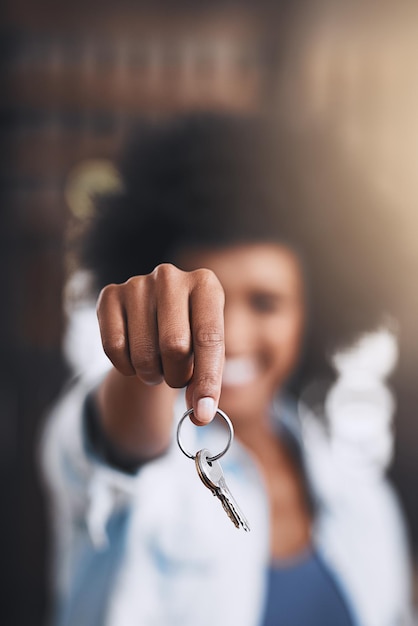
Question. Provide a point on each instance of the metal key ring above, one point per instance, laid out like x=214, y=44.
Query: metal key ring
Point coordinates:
x=216, y=456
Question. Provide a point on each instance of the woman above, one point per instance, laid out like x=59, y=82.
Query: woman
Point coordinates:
x=226, y=269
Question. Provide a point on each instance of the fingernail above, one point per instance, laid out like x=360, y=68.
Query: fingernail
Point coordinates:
x=205, y=409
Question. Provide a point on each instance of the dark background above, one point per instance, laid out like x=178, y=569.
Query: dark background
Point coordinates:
x=74, y=78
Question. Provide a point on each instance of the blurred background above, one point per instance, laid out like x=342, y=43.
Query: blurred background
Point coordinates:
x=74, y=79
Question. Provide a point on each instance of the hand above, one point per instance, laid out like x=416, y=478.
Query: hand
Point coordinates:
x=168, y=326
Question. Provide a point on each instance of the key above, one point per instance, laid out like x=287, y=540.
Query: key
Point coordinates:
x=212, y=476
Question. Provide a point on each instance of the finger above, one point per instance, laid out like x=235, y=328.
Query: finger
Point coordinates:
x=174, y=333
x=207, y=323
x=142, y=331
x=111, y=316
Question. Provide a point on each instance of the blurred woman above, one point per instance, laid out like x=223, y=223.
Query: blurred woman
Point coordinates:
x=233, y=265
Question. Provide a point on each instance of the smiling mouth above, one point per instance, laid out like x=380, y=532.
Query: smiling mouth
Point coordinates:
x=238, y=372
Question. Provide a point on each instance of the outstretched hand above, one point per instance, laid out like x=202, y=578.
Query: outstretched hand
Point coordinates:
x=168, y=326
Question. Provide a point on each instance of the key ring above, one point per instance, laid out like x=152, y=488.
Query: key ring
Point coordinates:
x=216, y=456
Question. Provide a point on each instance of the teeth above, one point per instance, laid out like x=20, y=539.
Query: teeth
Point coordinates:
x=239, y=371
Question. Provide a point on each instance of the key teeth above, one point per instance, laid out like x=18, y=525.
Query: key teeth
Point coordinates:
x=240, y=519
x=235, y=517
x=230, y=514
x=233, y=510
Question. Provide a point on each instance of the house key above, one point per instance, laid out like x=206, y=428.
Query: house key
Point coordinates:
x=211, y=474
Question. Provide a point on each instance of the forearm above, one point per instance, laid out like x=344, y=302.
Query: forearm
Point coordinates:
x=136, y=418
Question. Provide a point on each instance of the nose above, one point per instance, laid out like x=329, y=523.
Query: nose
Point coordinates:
x=239, y=330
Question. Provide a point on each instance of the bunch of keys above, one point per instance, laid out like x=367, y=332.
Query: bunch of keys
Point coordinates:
x=211, y=474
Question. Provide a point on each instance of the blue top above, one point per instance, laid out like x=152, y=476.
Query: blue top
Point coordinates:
x=303, y=591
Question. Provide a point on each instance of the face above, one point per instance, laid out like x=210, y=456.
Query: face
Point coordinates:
x=264, y=321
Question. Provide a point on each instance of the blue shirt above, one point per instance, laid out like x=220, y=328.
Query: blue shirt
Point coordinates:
x=303, y=592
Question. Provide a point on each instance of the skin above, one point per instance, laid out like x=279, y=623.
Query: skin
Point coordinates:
x=231, y=334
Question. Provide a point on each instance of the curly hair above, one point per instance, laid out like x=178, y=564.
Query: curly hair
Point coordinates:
x=213, y=180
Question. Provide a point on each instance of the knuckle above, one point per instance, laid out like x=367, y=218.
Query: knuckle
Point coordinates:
x=204, y=273
x=114, y=347
x=208, y=338
x=133, y=285
x=175, y=346
x=143, y=357
x=148, y=371
x=107, y=293
x=207, y=277
x=164, y=272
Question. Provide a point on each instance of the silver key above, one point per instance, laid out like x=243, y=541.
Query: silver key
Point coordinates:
x=212, y=476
